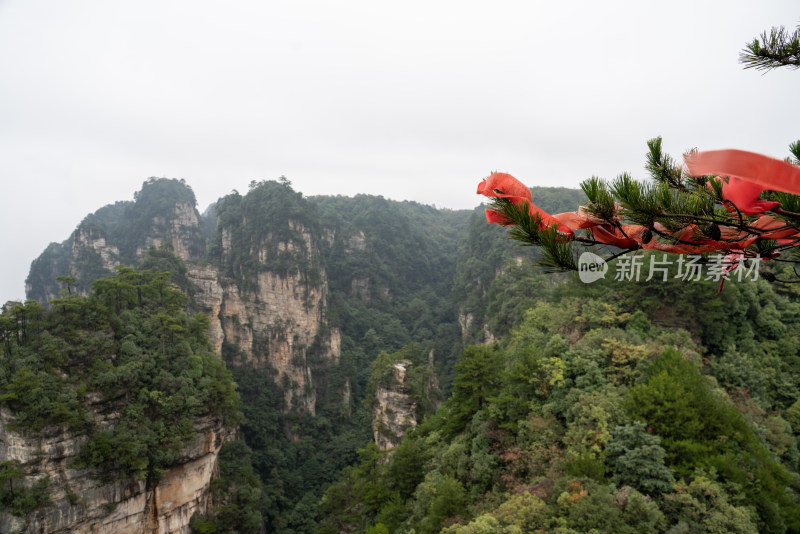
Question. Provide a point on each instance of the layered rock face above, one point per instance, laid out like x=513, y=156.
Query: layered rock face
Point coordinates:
x=406, y=390
x=86, y=240
x=279, y=317
x=208, y=297
x=394, y=411
x=276, y=324
x=180, y=228
x=92, y=501
x=87, y=249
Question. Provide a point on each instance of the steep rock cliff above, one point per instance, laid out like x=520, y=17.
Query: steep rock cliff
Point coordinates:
x=180, y=228
x=90, y=500
x=87, y=240
x=273, y=313
x=162, y=212
x=405, y=389
x=208, y=298
x=276, y=314
x=394, y=410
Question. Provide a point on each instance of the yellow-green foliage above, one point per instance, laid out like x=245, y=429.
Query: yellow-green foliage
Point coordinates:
x=586, y=420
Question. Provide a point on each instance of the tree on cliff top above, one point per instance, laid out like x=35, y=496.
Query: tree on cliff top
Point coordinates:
x=130, y=343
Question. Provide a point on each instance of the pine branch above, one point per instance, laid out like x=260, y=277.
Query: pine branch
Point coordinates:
x=662, y=167
x=795, y=149
x=558, y=253
x=674, y=208
x=716, y=219
x=691, y=206
x=638, y=200
x=778, y=48
x=601, y=203
x=524, y=227
x=716, y=186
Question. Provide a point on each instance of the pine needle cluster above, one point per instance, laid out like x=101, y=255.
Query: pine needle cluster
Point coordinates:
x=776, y=48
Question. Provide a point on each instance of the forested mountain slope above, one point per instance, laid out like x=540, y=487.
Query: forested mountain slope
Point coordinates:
x=299, y=341
x=612, y=407
x=615, y=406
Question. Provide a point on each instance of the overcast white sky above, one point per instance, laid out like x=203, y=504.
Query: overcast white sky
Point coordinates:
x=409, y=100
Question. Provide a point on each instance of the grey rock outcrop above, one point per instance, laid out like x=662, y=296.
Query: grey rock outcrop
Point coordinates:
x=394, y=410
x=88, y=500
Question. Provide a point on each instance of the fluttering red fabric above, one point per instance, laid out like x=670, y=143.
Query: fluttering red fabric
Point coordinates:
x=744, y=196
x=502, y=185
x=769, y=173
x=745, y=175
x=748, y=175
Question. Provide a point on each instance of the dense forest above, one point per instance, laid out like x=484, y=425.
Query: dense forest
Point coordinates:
x=542, y=404
x=128, y=352
x=608, y=408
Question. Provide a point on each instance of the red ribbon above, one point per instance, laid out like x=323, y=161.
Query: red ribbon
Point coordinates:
x=748, y=175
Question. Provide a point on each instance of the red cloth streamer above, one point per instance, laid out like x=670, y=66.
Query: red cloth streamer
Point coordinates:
x=502, y=185
x=770, y=173
x=744, y=196
x=749, y=174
